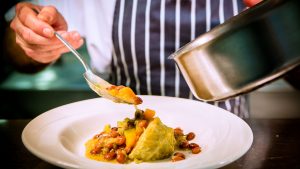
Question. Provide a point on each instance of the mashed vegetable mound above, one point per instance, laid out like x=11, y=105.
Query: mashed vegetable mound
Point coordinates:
x=156, y=143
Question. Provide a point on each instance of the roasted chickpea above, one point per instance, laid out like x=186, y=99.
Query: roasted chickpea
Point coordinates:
x=114, y=128
x=190, y=136
x=95, y=151
x=121, y=140
x=113, y=134
x=178, y=132
x=176, y=158
x=184, y=144
x=122, y=146
x=121, y=158
x=109, y=145
x=99, y=135
x=110, y=155
x=193, y=145
x=179, y=154
x=196, y=150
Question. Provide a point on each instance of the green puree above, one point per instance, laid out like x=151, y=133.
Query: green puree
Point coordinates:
x=157, y=142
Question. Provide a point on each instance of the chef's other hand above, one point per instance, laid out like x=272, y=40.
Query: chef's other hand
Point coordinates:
x=250, y=3
x=34, y=27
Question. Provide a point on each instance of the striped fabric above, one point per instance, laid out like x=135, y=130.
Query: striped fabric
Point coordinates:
x=146, y=32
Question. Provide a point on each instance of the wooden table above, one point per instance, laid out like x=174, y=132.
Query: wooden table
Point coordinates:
x=276, y=145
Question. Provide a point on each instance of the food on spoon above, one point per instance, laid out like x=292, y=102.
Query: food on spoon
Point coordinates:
x=143, y=138
x=124, y=93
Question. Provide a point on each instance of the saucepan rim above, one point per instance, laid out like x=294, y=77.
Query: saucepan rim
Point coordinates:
x=232, y=24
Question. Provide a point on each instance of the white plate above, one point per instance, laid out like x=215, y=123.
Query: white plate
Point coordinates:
x=58, y=136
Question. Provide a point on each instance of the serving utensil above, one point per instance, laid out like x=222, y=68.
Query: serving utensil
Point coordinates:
x=96, y=83
x=252, y=49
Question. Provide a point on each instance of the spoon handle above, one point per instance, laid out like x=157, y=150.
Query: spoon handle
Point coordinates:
x=69, y=46
x=86, y=67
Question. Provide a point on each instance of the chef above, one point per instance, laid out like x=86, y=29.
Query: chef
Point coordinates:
x=129, y=39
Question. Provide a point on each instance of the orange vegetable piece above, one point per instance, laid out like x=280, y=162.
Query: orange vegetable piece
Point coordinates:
x=149, y=114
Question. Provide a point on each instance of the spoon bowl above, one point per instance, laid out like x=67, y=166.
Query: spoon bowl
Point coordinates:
x=99, y=85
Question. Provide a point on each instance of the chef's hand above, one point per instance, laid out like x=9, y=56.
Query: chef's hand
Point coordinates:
x=34, y=27
x=250, y=3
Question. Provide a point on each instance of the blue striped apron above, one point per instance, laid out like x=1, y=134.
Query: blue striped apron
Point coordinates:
x=146, y=32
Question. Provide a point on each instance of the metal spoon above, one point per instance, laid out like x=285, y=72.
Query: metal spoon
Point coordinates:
x=96, y=83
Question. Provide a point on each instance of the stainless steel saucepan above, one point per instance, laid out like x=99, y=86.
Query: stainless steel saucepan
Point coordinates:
x=249, y=50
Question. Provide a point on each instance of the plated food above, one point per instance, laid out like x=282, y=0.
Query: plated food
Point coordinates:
x=143, y=138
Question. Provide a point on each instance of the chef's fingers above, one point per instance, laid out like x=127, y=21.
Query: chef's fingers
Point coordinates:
x=72, y=37
x=50, y=15
x=45, y=57
x=28, y=17
x=29, y=35
x=49, y=56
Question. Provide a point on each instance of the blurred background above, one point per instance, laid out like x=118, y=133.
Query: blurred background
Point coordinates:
x=62, y=83
x=58, y=84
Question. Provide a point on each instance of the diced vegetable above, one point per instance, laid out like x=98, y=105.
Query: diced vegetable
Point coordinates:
x=107, y=128
x=130, y=136
x=149, y=114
